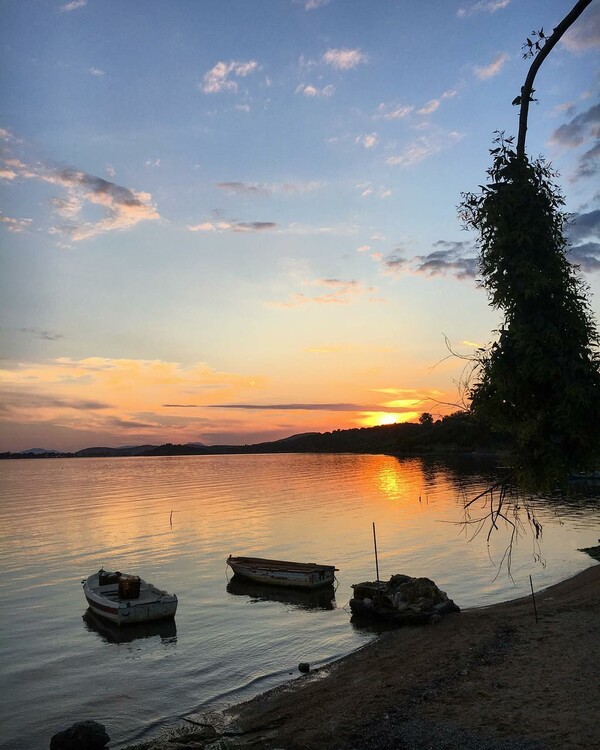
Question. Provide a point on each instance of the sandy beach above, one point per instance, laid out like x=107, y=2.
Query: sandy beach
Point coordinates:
x=487, y=678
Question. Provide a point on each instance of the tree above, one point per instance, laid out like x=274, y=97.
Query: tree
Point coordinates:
x=539, y=382
x=426, y=420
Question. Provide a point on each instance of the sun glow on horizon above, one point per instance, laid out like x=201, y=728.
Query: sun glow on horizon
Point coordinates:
x=380, y=418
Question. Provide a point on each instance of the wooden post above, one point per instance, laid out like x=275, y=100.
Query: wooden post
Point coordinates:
x=376, y=560
x=533, y=597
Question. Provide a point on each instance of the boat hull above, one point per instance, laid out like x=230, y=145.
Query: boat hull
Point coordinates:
x=150, y=605
x=282, y=573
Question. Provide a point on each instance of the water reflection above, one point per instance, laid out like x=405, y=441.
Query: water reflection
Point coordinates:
x=318, y=599
x=109, y=633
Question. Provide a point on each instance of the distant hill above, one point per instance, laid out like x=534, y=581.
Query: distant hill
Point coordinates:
x=455, y=433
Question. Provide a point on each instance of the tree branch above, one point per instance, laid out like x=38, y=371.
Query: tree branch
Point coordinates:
x=527, y=88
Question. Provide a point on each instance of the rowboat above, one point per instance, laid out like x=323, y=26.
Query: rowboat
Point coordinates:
x=123, y=599
x=282, y=572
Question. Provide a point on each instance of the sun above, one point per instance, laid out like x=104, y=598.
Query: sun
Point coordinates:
x=387, y=419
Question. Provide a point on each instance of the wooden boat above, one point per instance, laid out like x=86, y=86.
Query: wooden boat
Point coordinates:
x=282, y=572
x=123, y=599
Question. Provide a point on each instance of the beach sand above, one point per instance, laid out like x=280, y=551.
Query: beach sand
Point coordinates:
x=488, y=679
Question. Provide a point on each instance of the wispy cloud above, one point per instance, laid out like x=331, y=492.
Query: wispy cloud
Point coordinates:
x=585, y=34
x=423, y=148
x=123, y=207
x=434, y=104
x=15, y=225
x=368, y=141
x=582, y=129
x=98, y=72
x=310, y=91
x=41, y=334
x=232, y=226
x=95, y=394
x=282, y=407
x=579, y=129
x=584, y=233
x=314, y=4
x=255, y=189
x=345, y=59
x=367, y=189
x=340, y=292
x=456, y=259
x=589, y=163
x=74, y=5
x=483, y=72
x=483, y=6
x=221, y=77
x=393, y=111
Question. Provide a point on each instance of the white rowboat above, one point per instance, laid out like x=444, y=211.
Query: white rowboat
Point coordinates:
x=282, y=572
x=124, y=599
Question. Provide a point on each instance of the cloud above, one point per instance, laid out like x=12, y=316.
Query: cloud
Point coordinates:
x=281, y=407
x=95, y=394
x=586, y=256
x=44, y=335
x=232, y=226
x=340, y=292
x=96, y=72
x=430, y=107
x=243, y=188
x=31, y=400
x=583, y=126
x=219, y=78
x=423, y=148
x=452, y=258
x=585, y=34
x=311, y=91
x=489, y=71
x=589, y=163
x=255, y=189
x=584, y=226
x=393, y=111
x=483, y=6
x=74, y=5
x=367, y=141
x=15, y=225
x=314, y=4
x=367, y=189
x=123, y=207
x=344, y=59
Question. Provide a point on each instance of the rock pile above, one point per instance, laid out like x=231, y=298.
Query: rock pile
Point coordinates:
x=403, y=600
x=83, y=735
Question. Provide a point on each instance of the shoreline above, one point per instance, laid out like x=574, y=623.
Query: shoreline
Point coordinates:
x=488, y=678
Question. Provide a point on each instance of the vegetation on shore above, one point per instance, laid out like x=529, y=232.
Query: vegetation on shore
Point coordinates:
x=459, y=432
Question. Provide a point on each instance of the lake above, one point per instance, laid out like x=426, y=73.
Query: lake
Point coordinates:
x=174, y=521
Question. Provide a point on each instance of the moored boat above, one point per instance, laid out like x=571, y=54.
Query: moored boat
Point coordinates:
x=282, y=572
x=125, y=599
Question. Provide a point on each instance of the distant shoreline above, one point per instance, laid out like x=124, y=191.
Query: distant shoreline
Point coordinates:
x=455, y=434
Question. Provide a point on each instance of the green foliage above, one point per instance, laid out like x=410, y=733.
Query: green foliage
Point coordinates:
x=539, y=383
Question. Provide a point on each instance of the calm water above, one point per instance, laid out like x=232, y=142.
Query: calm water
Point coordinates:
x=63, y=519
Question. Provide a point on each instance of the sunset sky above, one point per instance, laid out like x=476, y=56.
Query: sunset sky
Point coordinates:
x=228, y=221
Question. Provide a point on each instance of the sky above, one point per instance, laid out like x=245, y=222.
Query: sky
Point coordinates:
x=230, y=221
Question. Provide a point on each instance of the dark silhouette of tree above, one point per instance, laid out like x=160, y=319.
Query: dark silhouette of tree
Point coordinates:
x=539, y=382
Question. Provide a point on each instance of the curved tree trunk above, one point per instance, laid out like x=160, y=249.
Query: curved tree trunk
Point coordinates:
x=527, y=88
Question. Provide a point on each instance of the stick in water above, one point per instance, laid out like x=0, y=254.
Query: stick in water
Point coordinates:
x=533, y=597
x=375, y=545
